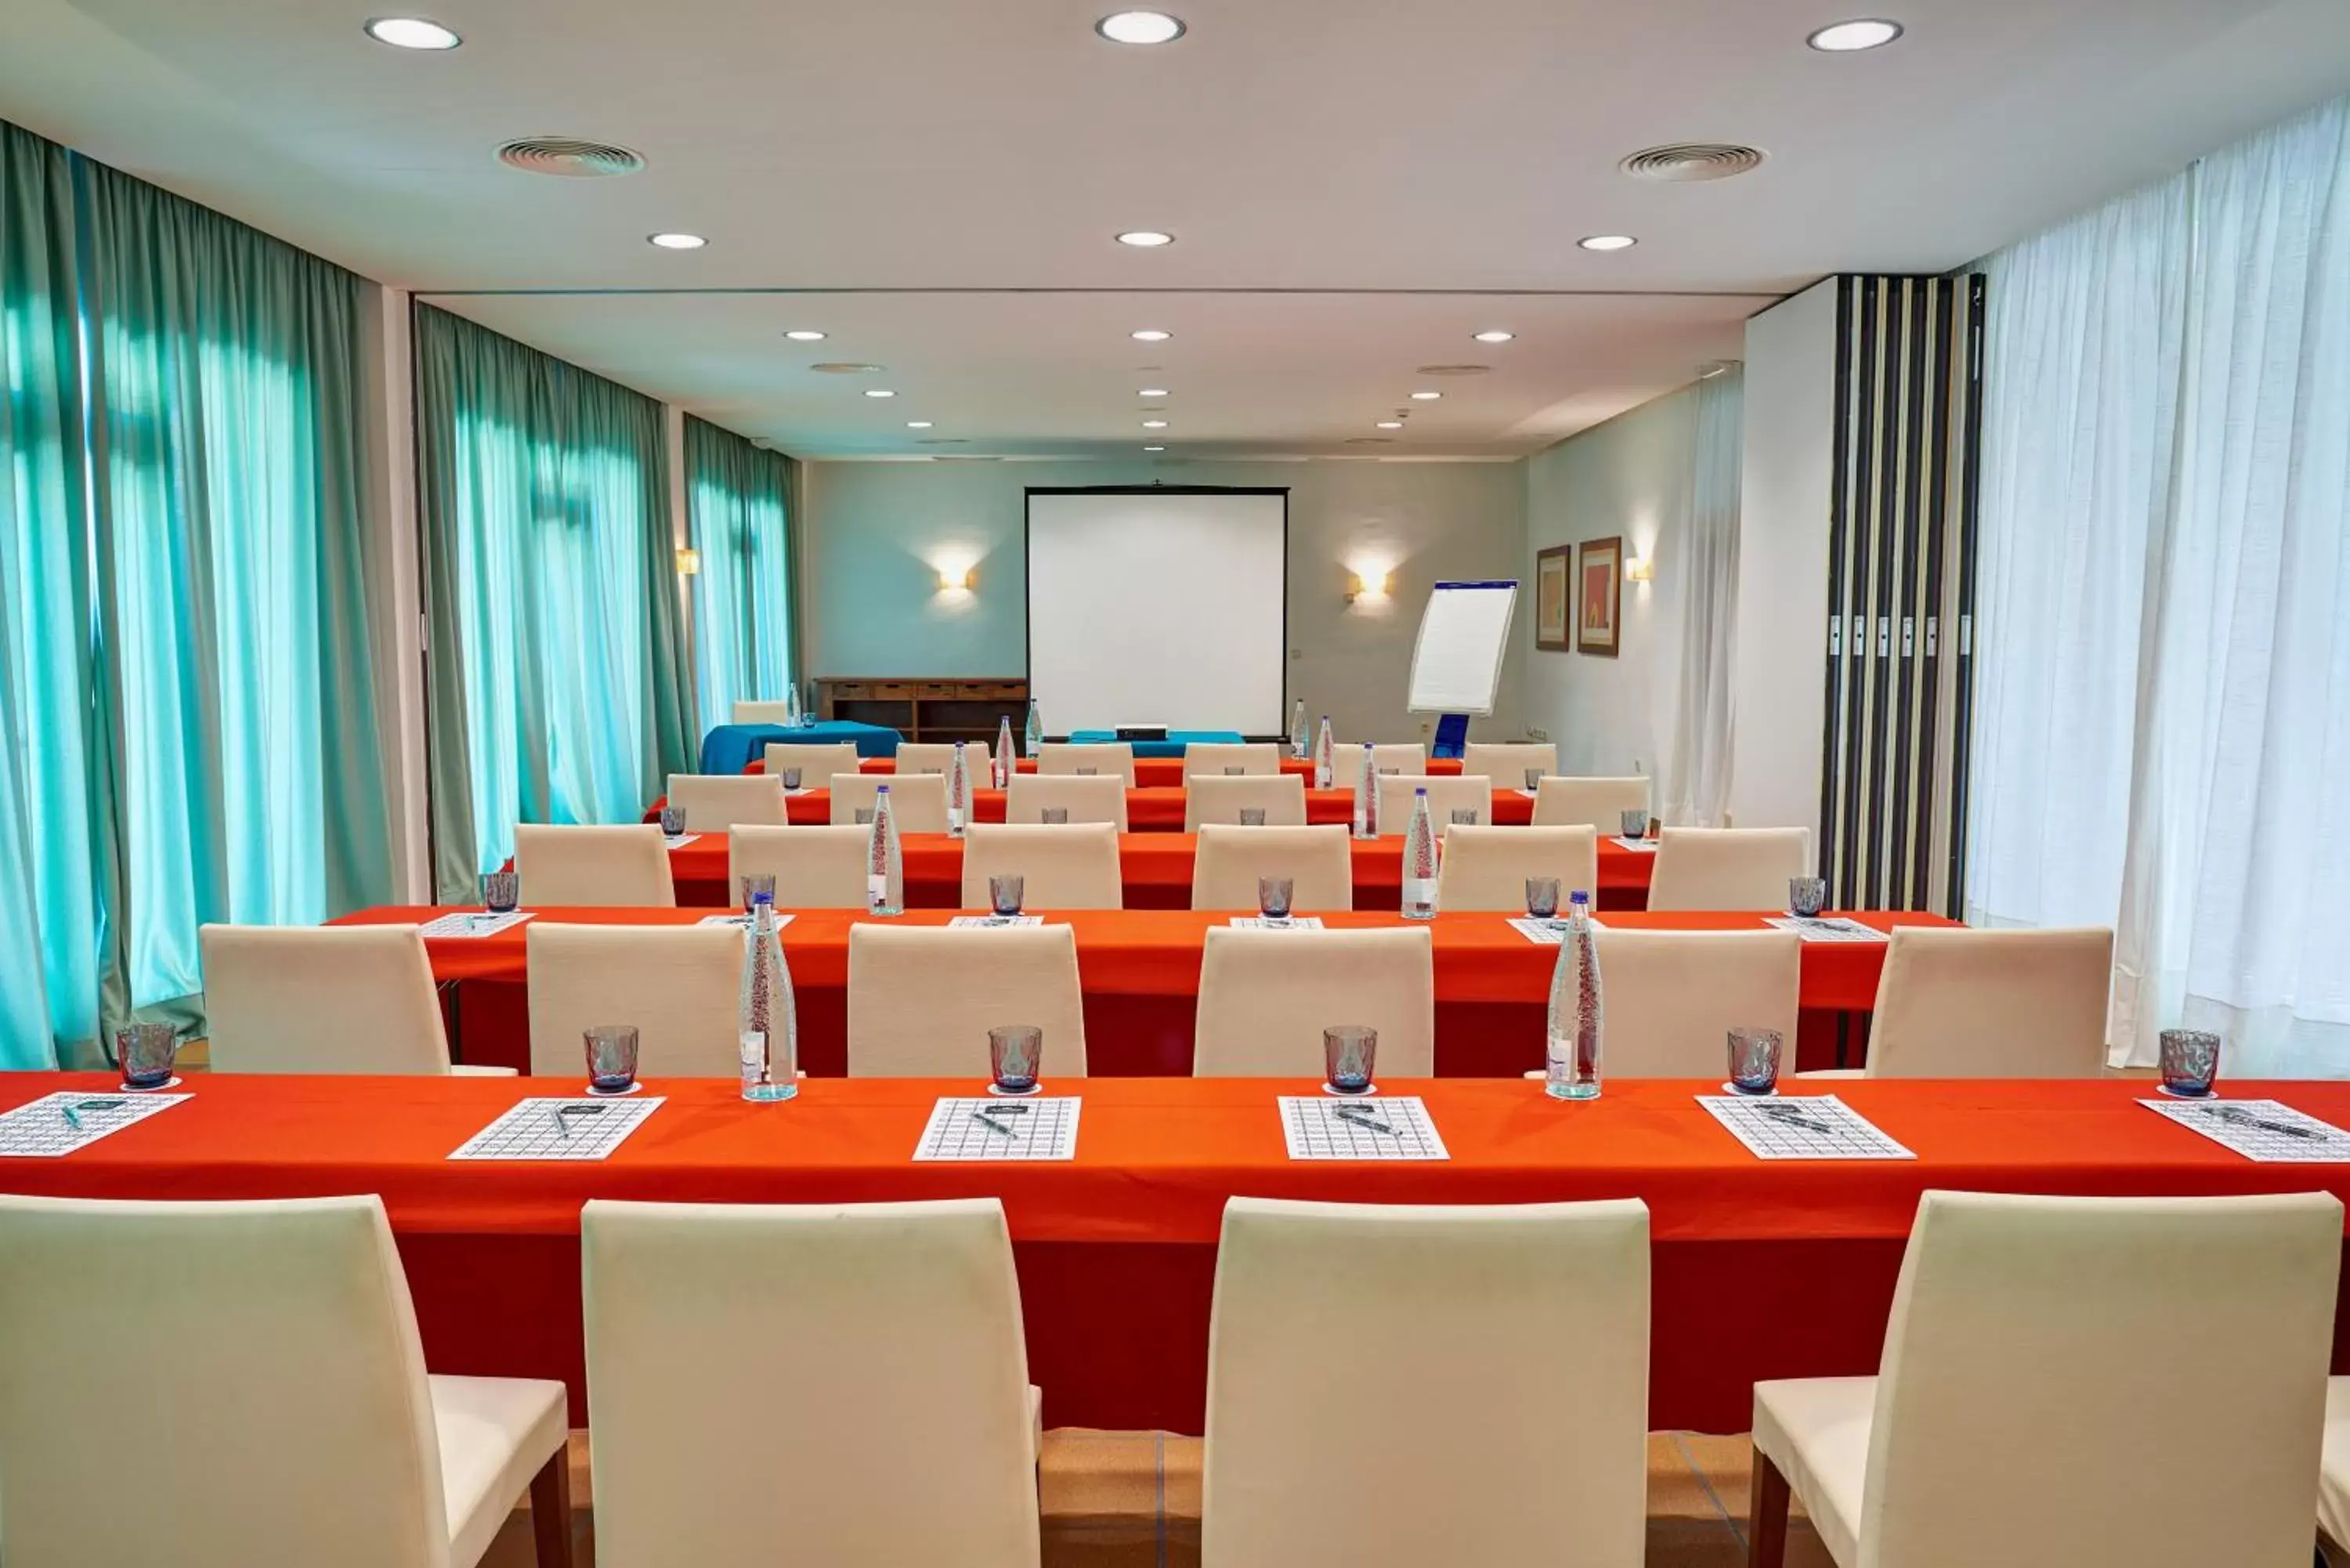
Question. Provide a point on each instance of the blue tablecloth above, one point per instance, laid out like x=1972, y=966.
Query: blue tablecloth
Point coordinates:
x=731, y=748
x=1172, y=747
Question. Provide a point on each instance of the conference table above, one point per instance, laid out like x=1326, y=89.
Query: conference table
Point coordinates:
x=1759, y=1269
x=1140, y=973
x=1166, y=773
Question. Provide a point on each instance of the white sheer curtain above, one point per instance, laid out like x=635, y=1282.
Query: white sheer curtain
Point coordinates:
x=1698, y=786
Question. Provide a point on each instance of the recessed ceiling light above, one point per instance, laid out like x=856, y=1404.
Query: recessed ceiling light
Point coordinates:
x=1140, y=27
x=1145, y=239
x=1151, y=335
x=1151, y=392
x=879, y=392
x=1154, y=424
x=1426, y=397
x=1845, y=37
x=678, y=242
x=1154, y=448
x=1608, y=242
x=1495, y=336
x=412, y=33
x=804, y=335
x=918, y=424
x=1390, y=424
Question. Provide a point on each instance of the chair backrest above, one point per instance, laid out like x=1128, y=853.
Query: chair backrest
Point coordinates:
x=1099, y=799
x=1466, y=1446
x=1105, y=757
x=937, y=756
x=715, y=801
x=1506, y=761
x=1487, y=867
x=321, y=999
x=918, y=803
x=1598, y=803
x=1210, y=758
x=210, y=1384
x=1208, y=798
x=678, y=984
x=1728, y=867
x=771, y=1378
x=923, y=998
x=1266, y=996
x=1347, y=761
x=757, y=712
x=1952, y=1003
x=2055, y=1367
x=625, y=867
x=816, y=763
x=1071, y=867
x=1673, y=997
x=1445, y=797
x=813, y=867
x=1318, y=861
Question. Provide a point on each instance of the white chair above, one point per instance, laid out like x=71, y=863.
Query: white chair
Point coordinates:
x=1673, y=997
x=324, y=999
x=918, y=804
x=1487, y=867
x=937, y=756
x=1210, y=759
x=593, y=867
x=1727, y=868
x=923, y=998
x=219, y=1385
x=1099, y=799
x=1598, y=803
x=677, y=984
x=713, y=802
x=1467, y=1446
x=1266, y=996
x=1953, y=1002
x=1318, y=861
x=1105, y=757
x=813, y=867
x=2070, y=1381
x=1445, y=797
x=2334, y=1473
x=1208, y=798
x=753, y=712
x=1071, y=867
x=817, y=763
x=841, y=1383
x=1505, y=763
x=1347, y=761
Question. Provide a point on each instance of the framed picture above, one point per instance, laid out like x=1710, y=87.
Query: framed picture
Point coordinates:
x=1599, y=595
x=1554, y=594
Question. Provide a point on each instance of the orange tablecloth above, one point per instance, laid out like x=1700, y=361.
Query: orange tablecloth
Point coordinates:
x=1158, y=773
x=1117, y=1245
x=1153, y=809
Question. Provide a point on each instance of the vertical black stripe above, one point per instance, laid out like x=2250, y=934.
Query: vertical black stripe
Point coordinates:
x=1839, y=524
x=1972, y=372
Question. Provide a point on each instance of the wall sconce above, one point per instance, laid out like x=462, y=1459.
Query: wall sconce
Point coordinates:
x=1639, y=569
x=1371, y=586
x=955, y=579
x=689, y=562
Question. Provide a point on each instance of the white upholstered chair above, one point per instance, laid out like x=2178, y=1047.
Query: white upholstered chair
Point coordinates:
x=2334, y=1473
x=842, y=1384
x=226, y=1384
x=923, y=998
x=713, y=802
x=1952, y=1003
x=817, y=762
x=1505, y=763
x=936, y=756
x=677, y=984
x=918, y=804
x=1104, y=757
x=1266, y=996
x=1727, y=868
x=1208, y=798
x=1445, y=797
x=1101, y=799
x=1673, y=997
x=1318, y=861
x=1347, y=761
x=585, y=867
x=813, y=867
x=1465, y=1447
x=1064, y=866
x=2073, y=1380
x=1598, y=803
x=1210, y=758
x=1487, y=867
x=324, y=999
x=752, y=711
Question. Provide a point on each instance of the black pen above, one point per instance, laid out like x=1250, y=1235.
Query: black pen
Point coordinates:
x=991, y=1124
x=1358, y=1118
x=1792, y=1117
x=2244, y=1118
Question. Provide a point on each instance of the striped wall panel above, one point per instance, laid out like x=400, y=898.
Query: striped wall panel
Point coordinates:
x=1901, y=553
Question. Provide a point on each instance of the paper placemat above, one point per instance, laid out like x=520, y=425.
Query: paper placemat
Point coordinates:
x=991, y=922
x=992, y=1128
x=2262, y=1130
x=1647, y=845
x=1548, y=933
x=551, y=1129
x=1259, y=923
x=1324, y=1126
x=1815, y=1127
x=1825, y=928
x=44, y=1130
x=681, y=841
x=475, y=925
x=740, y=922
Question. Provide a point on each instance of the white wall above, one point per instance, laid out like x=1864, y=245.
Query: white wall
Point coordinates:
x=875, y=536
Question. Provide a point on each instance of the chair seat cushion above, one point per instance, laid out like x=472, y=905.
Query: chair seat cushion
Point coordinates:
x=1816, y=1429
x=495, y=1433
x=2334, y=1469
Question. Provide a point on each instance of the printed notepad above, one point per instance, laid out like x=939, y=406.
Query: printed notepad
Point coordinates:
x=1813, y=1127
x=1825, y=928
x=1370, y=1127
x=474, y=925
x=2260, y=1130
x=560, y=1129
x=1259, y=923
x=60, y=1124
x=994, y=1128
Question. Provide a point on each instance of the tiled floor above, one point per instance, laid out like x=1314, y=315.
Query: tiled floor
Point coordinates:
x=1131, y=1500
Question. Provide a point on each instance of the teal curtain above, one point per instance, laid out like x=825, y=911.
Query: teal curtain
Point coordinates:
x=739, y=500
x=557, y=684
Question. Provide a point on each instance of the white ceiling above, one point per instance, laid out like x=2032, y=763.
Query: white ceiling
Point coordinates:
x=1355, y=185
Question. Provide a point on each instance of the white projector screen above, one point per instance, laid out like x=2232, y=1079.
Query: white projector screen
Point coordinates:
x=1158, y=606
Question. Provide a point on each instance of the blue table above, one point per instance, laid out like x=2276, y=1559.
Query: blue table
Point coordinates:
x=1172, y=747
x=731, y=748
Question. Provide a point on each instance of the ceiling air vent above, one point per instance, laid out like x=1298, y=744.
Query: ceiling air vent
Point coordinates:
x=1452, y=370
x=845, y=368
x=1692, y=161
x=569, y=158
x=1369, y=441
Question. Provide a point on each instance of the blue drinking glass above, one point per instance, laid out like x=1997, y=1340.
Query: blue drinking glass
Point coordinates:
x=146, y=1052
x=1015, y=1052
x=2191, y=1063
x=1754, y=1055
x=1004, y=891
x=1349, y=1050
x=611, y=1058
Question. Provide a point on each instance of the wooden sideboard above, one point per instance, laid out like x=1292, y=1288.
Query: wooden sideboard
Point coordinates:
x=923, y=709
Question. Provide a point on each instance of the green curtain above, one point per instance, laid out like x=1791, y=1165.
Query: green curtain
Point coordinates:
x=739, y=500
x=558, y=689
